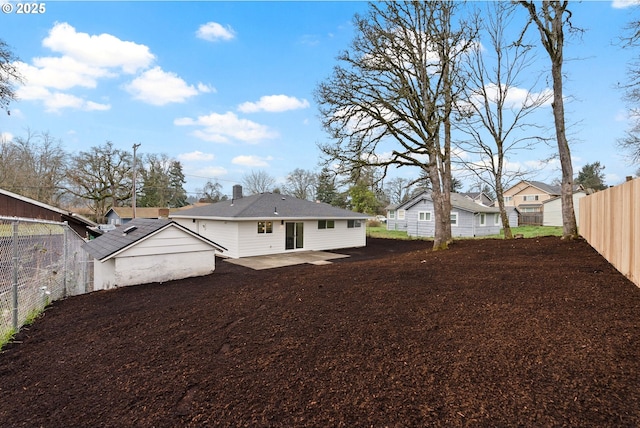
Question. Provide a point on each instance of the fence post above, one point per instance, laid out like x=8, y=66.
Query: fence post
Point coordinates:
x=15, y=275
x=64, y=260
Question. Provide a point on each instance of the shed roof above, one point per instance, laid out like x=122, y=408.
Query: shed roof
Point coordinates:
x=127, y=235
x=268, y=206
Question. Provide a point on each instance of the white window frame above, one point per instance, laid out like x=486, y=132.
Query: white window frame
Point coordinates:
x=453, y=217
x=391, y=215
x=265, y=226
x=401, y=214
x=530, y=198
x=424, y=216
x=496, y=219
x=483, y=219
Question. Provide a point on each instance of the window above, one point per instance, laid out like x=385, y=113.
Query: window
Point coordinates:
x=265, y=227
x=483, y=219
x=529, y=198
x=454, y=219
x=353, y=223
x=326, y=224
x=392, y=214
x=424, y=216
x=496, y=219
x=400, y=214
x=508, y=199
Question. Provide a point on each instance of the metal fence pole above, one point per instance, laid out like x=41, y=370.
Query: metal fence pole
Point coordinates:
x=64, y=260
x=15, y=275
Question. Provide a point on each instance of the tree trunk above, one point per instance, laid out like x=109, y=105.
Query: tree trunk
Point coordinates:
x=569, y=226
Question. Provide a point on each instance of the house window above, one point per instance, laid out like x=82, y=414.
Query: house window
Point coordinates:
x=483, y=219
x=529, y=198
x=265, y=227
x=353, y=223
x=496, y=219
x=508, y=199
x=400, y=214
x=392, y=214
x=424, y=216
x=454, y=219
x=326, y=224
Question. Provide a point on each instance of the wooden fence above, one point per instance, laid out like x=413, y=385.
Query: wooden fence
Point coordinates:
x=610, y=222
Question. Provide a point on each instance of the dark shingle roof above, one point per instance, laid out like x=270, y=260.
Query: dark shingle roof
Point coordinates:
x=139, y=228
x=457, y=201
x=268, y=206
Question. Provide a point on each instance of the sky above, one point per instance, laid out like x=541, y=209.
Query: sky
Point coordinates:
x=226, y=87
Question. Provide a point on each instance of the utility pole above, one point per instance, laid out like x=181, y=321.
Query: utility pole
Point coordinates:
x=135, y=147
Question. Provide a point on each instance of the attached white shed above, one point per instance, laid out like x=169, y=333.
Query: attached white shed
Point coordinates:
x=148, y=250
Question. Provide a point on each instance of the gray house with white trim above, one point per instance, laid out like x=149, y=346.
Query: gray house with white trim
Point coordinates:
x=271, y=223
x=468, y=218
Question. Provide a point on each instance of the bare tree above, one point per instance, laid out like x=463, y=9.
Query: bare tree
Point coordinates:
x=550, y=19
x=34, y=166
x=301, y=184
x=631, y=140
x=493, y=112
x=211, y=192
x=399, y=190
x=102, y=176
x=396, y=86
x=258, y=182
x=9, y=76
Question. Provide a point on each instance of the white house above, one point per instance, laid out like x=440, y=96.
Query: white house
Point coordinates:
x=468, y=218
x=270, y=223
x=552, y=209
x=149, y=250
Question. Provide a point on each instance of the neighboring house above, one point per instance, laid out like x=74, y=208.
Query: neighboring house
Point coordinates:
x=147, y=250
x=14, y=205
x=122, y=215
x=468, y=218
x=479, y=197
x=529, y=196
x=270, y=223
x=552, y=209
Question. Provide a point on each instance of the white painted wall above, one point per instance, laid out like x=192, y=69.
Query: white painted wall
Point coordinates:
x=552, y=210
x=168, y=255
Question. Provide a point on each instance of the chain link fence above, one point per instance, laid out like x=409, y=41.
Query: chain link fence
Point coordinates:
x=40, y=261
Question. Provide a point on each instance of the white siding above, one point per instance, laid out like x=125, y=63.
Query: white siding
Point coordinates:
x=252, y=243
x=552, y=210
x=167, y=241
x=224, y=233
x=163, y=267
x=104, y=274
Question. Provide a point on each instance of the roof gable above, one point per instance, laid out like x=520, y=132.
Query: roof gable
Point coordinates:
x=458, y=201
x=268, y=206
x=126, y=236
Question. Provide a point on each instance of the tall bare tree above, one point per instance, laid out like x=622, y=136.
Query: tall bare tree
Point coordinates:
x=9, y=76
x=396, y=87
x=102, y=176
x=631, y=140
x=550, y=18
x=493, y=112
x=399, y=190
x=301, y=184
x=34, y=166
x=259, y=181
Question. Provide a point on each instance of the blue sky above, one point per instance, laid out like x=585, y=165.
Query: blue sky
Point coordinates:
x=227, y=87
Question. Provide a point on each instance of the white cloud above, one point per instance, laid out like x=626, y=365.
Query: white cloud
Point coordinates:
x=159, y=87
x=222, y=128
x=212, y=31
x=55, y=101
x=205, y=89
x=102, y=50
x=251, y=160
x=196, y=156
x=274, y=103
x=5, y=137
x=621, y=4
x=61, y=73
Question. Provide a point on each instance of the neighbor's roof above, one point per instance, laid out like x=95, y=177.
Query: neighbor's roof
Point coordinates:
x=458, y=201
x=268, y=206
x=141, y=212
x=117, y=240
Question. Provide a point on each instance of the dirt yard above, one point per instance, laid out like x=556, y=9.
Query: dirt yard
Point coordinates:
x=531, y=332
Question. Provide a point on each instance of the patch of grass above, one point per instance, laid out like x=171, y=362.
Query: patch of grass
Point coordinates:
x=526, y=231
x=6, y=337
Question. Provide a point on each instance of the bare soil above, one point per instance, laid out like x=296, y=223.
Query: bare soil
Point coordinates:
x=530, y=332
